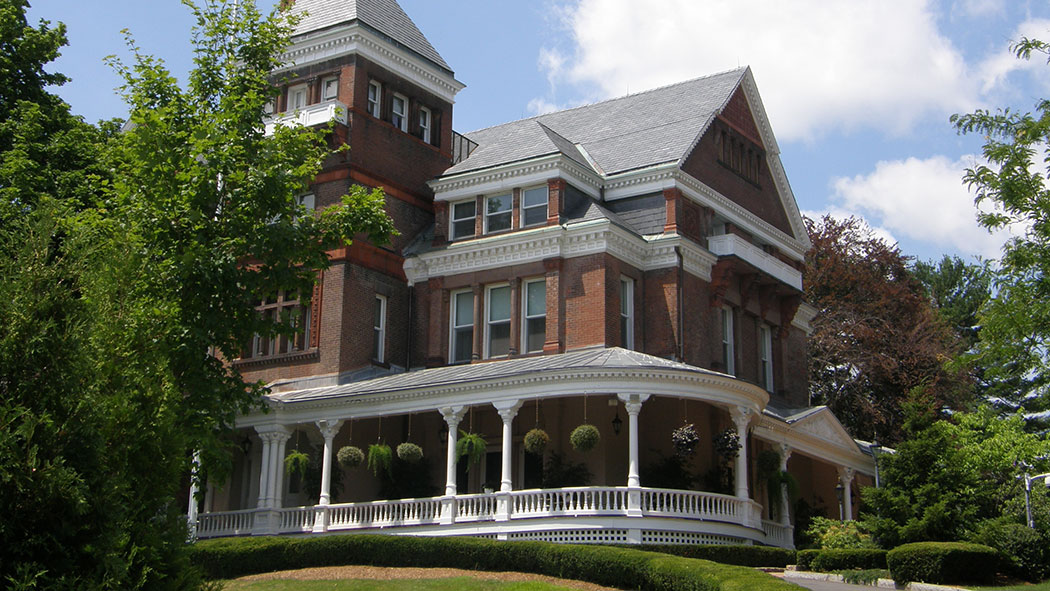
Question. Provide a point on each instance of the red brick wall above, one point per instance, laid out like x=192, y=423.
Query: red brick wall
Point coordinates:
x=660, y=313
x=586, y=301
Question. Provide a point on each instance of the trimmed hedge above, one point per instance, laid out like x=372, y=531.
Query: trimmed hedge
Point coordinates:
x=833, y=559
x=739, y=555
x=943, y=562
x=804, y=559
x=603, y=565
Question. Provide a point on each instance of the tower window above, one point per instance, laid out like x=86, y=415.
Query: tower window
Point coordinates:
x=375, y=98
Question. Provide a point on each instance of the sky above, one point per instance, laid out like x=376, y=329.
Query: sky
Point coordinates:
x=858, y=92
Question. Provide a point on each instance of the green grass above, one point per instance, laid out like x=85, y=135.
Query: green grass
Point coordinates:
x=447, y=584
x=1044, y=586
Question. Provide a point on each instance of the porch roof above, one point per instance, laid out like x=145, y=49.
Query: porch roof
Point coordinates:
x=613, y=358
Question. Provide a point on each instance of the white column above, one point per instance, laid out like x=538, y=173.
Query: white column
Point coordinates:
x=278, y=470
x=191, y=507
x=264, y=471
x=785, y=501
x=453, y=415
x=741, y=417
x=633, y=404
x=508, y=409
x=846, y=478
x=328, y=429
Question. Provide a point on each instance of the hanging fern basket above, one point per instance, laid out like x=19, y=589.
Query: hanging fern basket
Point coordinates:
x=380, y=457
x=296, y=462
x=410, y=452
x=472, y=446
x=585, y=437
x=350, y=456
x=536, y=441
x=685, y=439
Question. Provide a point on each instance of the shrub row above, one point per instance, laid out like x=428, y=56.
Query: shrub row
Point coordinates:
x=739, y=555
x=943, y=562
x=603, y=565
x=833, y=559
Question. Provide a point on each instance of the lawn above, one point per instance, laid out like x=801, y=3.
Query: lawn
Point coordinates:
x=447, y=584
x=1044, y=586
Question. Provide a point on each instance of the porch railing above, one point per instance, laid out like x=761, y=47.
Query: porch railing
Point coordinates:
x=515, y=505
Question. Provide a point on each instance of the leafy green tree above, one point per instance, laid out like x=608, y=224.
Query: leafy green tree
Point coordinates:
x=1012, y=188
x=876, y=336
x=122, y=297
x=957, y=290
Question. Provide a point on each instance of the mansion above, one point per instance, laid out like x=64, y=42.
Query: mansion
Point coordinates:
x=634, y=264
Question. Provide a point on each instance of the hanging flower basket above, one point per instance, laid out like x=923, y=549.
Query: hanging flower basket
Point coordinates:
x=685, y=439
x=296, y=462
x=380, y=457
x=350, y=456
x=410, y=452
x=584, y=437
x=536, y=441
x=471, y=445
x=727, y=444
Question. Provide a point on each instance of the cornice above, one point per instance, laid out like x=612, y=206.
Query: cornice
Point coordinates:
x=839, y=451
x=517, y=174
x=574, y=240
x=805, y=314
x=354, y=38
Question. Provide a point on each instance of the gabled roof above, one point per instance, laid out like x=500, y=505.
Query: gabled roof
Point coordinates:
x=627, y=133
x=384, y=16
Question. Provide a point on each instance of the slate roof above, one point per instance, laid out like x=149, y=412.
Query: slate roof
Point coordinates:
x=385, y=16
x=611, y=358
x=627, y=133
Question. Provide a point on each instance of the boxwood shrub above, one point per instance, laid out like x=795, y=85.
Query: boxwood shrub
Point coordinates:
x=739, y=555
x=804, y=559
x=832, y=559
x=611, y=566
x=943, y=562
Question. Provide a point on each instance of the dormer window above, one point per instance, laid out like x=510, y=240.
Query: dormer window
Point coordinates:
x=297, y=97
x=425, y=118
x=534, y=206
x=329, y=88
x=375, y=98
x=399, y=112
x=498, y=212
x=463, y=219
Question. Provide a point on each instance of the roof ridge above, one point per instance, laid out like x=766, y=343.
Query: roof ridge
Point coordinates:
x=612, y=100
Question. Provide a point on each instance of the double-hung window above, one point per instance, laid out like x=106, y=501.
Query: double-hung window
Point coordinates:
x=375, y=98
x=534, y=319
x=297, y=97
x=462, y=341
x=379, y=329
x=497, y=325
x=463, y=214
x=728, y=350
x=425, y=123
x=282, y=307
x=399, y=112
x=534, y=206
x=498, y=212
x=626, y=313
x=329, y=88
x=765, y=357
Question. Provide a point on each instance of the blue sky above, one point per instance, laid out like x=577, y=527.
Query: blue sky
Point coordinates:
x=858, y=92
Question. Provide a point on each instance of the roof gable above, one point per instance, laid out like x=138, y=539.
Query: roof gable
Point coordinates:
x=385, y=16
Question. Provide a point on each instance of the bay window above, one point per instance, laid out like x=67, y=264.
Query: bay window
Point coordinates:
x=463, y=219
x=498, y=212
x=534, y=206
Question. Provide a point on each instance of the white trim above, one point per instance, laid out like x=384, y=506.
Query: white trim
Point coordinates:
x=379, y=331
x=298, y=89
x=627, y=311
x=525, y=283
x=452, y=326
x=489, y=322
x=425, y=116
x=733, y=245
x=508, y=212
x=452, y=219
x=728, y=340
x=545, y=206
x=403, y=115
x=321, y=46
x=518, y=174
x=325, y=95
x=765, y=356
x=375, y=107
x=803, y=317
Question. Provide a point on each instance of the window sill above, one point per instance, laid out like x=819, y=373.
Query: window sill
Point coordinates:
x=308, y=355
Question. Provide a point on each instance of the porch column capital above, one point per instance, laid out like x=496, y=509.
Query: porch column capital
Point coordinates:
x=633, y=402
x=846, y=475
x=453, y=415
x=741, y=416
x=846, y=478
x=508, y=409
x=785, y=455
x=329, y=429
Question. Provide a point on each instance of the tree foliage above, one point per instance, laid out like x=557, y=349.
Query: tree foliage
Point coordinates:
x=1011, y=191
x=958, y=291
x=876, y=337
x=129, y=272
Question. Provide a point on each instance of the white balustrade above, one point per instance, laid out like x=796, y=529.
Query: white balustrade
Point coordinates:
x=297, y=519
x=475, y=507
x=384, y=513
x=575, y=501
x=691, y=504
x=227, y=523
x=778, y=534
x=310, y=115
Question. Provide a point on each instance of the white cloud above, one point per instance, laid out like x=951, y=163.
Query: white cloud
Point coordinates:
x=841, y=215
x=920, y=199
x=994, y=69
x=979, y=8
x=539, y=106
x=821, y=66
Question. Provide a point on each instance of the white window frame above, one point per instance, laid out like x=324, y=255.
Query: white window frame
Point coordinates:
x=399, y=118
x=489, y=322
x=728, y=342
x=330, y=88
x=627, y=312
x=292, y=91
x=509, y=211
x=375, y=98
x=426, y=121
x=453, y=219
x=765, y=356
x=379, y=330
x=525, y=316
x=524, y=208
x=454, y=328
